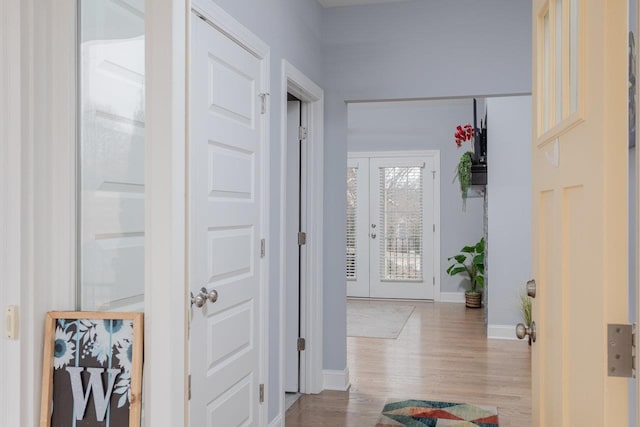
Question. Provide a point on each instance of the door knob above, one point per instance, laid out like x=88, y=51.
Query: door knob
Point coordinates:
x=522, y=331
x=211, y=296
x=198, y=300
x=531, y=288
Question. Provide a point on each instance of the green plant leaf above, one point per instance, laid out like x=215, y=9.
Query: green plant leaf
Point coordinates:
x=478, y=260
x=480, y=246
x=460, y=258
x=480, y=281
x=456, y=270
x=480, y=268
x=468, y=249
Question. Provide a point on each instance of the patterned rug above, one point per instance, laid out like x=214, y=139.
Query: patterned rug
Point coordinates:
x=418, y=413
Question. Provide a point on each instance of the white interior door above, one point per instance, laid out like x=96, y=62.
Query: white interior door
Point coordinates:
x=292, y=356
x=225, y=228
x=392, y=227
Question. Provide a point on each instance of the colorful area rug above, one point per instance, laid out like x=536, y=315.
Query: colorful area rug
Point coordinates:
x=418, y=413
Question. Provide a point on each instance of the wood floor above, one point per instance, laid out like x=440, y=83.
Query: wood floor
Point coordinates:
x=442, y=354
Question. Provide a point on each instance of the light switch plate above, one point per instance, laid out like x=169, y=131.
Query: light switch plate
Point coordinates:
x=11, y=322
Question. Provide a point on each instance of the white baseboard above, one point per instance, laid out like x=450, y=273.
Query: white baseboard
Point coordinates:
x=277, y=421
x=457, y=297
x=501, y=332
x=336, y=380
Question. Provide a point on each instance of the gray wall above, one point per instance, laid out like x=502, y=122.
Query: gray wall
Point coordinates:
x=414, y=49
x=509, y=206
x=425, y=125
x=292, y=29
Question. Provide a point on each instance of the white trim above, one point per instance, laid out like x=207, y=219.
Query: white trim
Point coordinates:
x=296, y=83
x=277, y=421
x=218, y=18
x=455, y=297
x=165, y=213
x=336, y=380
x=408, y=153
x=38, y=205
x=501, y=332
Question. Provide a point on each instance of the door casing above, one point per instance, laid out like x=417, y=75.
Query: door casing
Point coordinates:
x=311, y=311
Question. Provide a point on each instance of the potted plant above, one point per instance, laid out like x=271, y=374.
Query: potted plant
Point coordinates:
x=463, y=170
x=470, y=262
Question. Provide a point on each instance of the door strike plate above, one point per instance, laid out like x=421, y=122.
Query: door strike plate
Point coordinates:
x=621, y=351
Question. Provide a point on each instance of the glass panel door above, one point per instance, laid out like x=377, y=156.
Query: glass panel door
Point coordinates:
x=111, y=154
x=391, y=210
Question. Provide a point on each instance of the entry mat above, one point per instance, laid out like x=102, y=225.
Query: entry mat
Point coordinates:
x=418, y=413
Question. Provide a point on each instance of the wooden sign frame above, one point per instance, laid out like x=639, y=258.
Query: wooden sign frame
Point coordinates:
x=85, y=350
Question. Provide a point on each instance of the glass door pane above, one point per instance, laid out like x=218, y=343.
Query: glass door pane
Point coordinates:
x=111, y=160
x=401, y=210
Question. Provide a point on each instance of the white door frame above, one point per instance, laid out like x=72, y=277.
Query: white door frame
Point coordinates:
x=303, y=88
x=436, y=195
x=218, y=18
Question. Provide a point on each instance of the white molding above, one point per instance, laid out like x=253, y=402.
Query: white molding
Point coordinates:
x=408, y=153
x=37, y=207
x=277, y=421
x=165, y=213
x=336, y=380
x=456, y=297
x=501, y=332
x=296, y=83
x=10, y=203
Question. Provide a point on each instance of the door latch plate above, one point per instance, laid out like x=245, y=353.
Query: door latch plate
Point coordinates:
x=621, y=351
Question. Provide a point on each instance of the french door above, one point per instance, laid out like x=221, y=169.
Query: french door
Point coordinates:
x=392, y=210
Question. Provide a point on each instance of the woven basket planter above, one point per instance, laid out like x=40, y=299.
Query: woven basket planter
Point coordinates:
x=473, y=299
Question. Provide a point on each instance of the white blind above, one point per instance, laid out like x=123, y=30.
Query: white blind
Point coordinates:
x=352, y=208
x=401, y=223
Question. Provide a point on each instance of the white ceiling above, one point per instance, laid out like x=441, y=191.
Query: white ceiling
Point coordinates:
x=336, y=3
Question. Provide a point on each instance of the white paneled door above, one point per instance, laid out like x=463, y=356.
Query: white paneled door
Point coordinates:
x=391, y=227
x=226, y=204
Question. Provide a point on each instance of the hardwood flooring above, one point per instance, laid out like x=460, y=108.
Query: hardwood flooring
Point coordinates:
x=441, y=354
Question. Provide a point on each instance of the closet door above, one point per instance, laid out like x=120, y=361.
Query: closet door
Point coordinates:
x=401, y=228
x=357, y=255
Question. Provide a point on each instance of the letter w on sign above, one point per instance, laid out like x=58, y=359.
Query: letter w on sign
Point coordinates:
x=100, y=396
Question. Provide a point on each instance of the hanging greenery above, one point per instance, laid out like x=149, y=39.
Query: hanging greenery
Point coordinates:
x=464, y=176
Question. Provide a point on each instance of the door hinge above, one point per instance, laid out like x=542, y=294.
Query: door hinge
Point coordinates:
x=302, y=238
x=261, y=398
x=189, y=387
x=434, y=228
x=263, y=248
x=302, y=133
x=434, y=280
x=263, y=101
x=302, y=344
x=621, y=346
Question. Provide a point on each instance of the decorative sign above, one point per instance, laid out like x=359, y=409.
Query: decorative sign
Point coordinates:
x=92, y=373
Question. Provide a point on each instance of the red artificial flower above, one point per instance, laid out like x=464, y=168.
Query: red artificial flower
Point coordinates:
x=463, y=134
